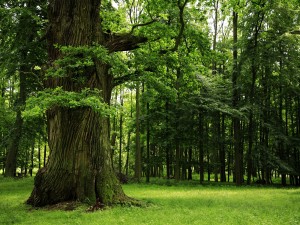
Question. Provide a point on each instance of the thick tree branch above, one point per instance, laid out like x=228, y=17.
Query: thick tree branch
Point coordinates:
x=125, y=42
x=295, y=32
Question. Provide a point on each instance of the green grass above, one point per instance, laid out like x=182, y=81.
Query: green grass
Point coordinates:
x=185, y=203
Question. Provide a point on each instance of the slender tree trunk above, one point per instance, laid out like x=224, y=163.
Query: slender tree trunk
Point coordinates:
x=26, y=162
x=178, y=149
x=13, y=148
x=266, y=116
x=238, y=151
x=201, y=148
x=11, y=92
x=183, y=157
x=190, y=175
x=148, y=144
x=223, y=152
x=31, y=160
x=138, y=153
x=121, y=133
x=251, y=121
x=129, y=136
x=216, y=115
x=3, y=168
x=177, y=160
x=127, y=155
x=281, y=146
x=2, y=147
x=216, y=145
x=254, y=68
x=250, y=145
x=114, y=129
x=45, y=155
x=228, y=165
x=39, y=153
x=297, y=151
x=168, y=150
x=208, y=165
x=216, y=20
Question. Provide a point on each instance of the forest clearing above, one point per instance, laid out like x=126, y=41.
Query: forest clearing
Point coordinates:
x=167, y=203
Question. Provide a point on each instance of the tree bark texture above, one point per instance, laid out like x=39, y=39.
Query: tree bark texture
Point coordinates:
x=79, y=165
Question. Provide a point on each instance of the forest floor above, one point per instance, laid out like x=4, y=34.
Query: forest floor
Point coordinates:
x=169, y=203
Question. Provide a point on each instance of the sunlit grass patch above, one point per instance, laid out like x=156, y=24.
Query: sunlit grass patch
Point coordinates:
x=176, y=203
x=223, y=204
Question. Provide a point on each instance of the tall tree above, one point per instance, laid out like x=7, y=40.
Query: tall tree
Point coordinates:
x=79, y=165
x=238, y=151
x=252, y=50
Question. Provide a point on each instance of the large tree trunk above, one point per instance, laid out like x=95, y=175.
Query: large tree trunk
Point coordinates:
x=79, y=166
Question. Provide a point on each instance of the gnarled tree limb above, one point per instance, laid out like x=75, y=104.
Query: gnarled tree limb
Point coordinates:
x=123, y=42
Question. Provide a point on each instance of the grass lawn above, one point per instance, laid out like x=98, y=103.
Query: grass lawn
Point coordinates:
x=176, y=204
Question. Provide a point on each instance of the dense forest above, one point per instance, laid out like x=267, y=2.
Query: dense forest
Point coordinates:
x=183, y=89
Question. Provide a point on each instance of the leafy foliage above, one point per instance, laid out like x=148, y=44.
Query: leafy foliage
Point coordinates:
x=50, y=98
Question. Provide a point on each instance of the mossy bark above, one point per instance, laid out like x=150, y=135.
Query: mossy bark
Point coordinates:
x=79, y=165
